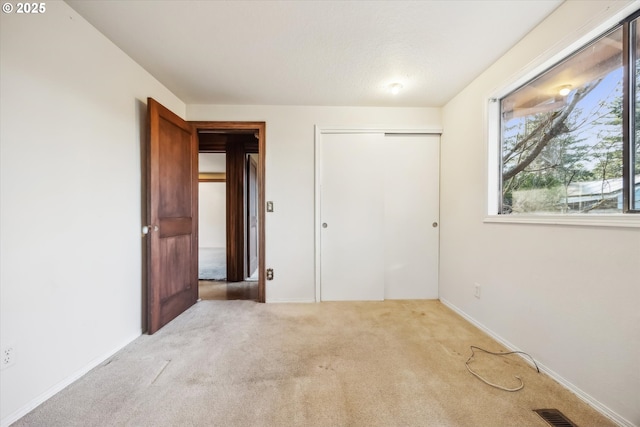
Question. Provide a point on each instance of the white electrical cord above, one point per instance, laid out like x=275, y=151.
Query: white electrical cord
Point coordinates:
x=520, y=387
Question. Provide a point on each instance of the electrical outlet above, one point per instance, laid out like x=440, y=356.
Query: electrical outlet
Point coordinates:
x=8, y=357
x=476, y=291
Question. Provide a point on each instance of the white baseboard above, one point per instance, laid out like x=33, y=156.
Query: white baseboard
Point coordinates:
x=288, y=300
x=591, y=401
x=34, y=403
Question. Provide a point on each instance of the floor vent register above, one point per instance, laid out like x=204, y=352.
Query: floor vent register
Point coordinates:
x=554, y=418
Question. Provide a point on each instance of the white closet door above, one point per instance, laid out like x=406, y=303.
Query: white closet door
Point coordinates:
x=411, y=207
x=352, y=208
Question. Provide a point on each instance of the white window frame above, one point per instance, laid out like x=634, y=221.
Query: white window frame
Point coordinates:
x=493, y=146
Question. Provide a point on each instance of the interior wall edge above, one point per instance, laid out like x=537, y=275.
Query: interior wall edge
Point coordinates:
x=587, y=398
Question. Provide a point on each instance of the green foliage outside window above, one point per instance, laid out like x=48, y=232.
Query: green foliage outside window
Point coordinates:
x=562, y=147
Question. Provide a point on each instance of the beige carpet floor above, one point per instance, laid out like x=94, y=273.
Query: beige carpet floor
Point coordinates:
x=239, y=363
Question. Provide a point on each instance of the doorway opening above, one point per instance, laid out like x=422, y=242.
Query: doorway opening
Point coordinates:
x=231, y=210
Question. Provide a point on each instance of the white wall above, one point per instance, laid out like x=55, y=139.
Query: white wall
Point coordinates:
x=568, y=295
x=212, y=211
x=290, y=178
x=73, y=120
x=212, y=162
x=212, y=203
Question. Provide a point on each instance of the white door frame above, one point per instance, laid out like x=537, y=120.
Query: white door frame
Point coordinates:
x=319, y=131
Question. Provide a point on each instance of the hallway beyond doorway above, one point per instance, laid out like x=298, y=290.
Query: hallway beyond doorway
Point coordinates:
x=226, y=291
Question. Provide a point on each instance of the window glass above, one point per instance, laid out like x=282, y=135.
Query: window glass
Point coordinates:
x=561, y=136
x=635, y=146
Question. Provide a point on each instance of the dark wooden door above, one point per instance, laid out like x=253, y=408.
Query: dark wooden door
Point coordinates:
x=252, y=215
x=172, y=185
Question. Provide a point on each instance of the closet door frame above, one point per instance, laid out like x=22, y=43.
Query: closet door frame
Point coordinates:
x=319, y=131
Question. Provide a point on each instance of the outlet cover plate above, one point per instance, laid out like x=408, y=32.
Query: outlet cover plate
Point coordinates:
x=7, y=357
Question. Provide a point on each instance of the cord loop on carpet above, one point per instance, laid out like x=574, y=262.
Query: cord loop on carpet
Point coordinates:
x=520, y=387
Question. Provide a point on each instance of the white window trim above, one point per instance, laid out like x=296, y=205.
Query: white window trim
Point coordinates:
x=492, y=144
x=596, y=220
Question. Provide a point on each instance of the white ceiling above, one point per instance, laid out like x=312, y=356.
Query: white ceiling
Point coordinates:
x=315, y=52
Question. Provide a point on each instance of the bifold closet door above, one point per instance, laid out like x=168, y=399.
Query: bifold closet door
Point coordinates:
x=352, y=217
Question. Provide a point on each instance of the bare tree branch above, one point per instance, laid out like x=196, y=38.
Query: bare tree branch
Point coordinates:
x=558, y=127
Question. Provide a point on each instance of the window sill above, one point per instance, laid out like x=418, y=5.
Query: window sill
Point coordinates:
x=621, y=220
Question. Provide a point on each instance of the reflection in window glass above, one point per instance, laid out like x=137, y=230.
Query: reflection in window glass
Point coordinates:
x=635, y=147
x=561, y=136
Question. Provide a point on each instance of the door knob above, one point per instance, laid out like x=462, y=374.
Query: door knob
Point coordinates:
x=434, y=225
x=324, y=225
x=149, y=228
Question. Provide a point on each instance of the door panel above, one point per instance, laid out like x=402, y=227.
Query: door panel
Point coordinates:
x=352, y=251
x=172, y=276
x=411, y=207
x=174, y=158
x=174, y=265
